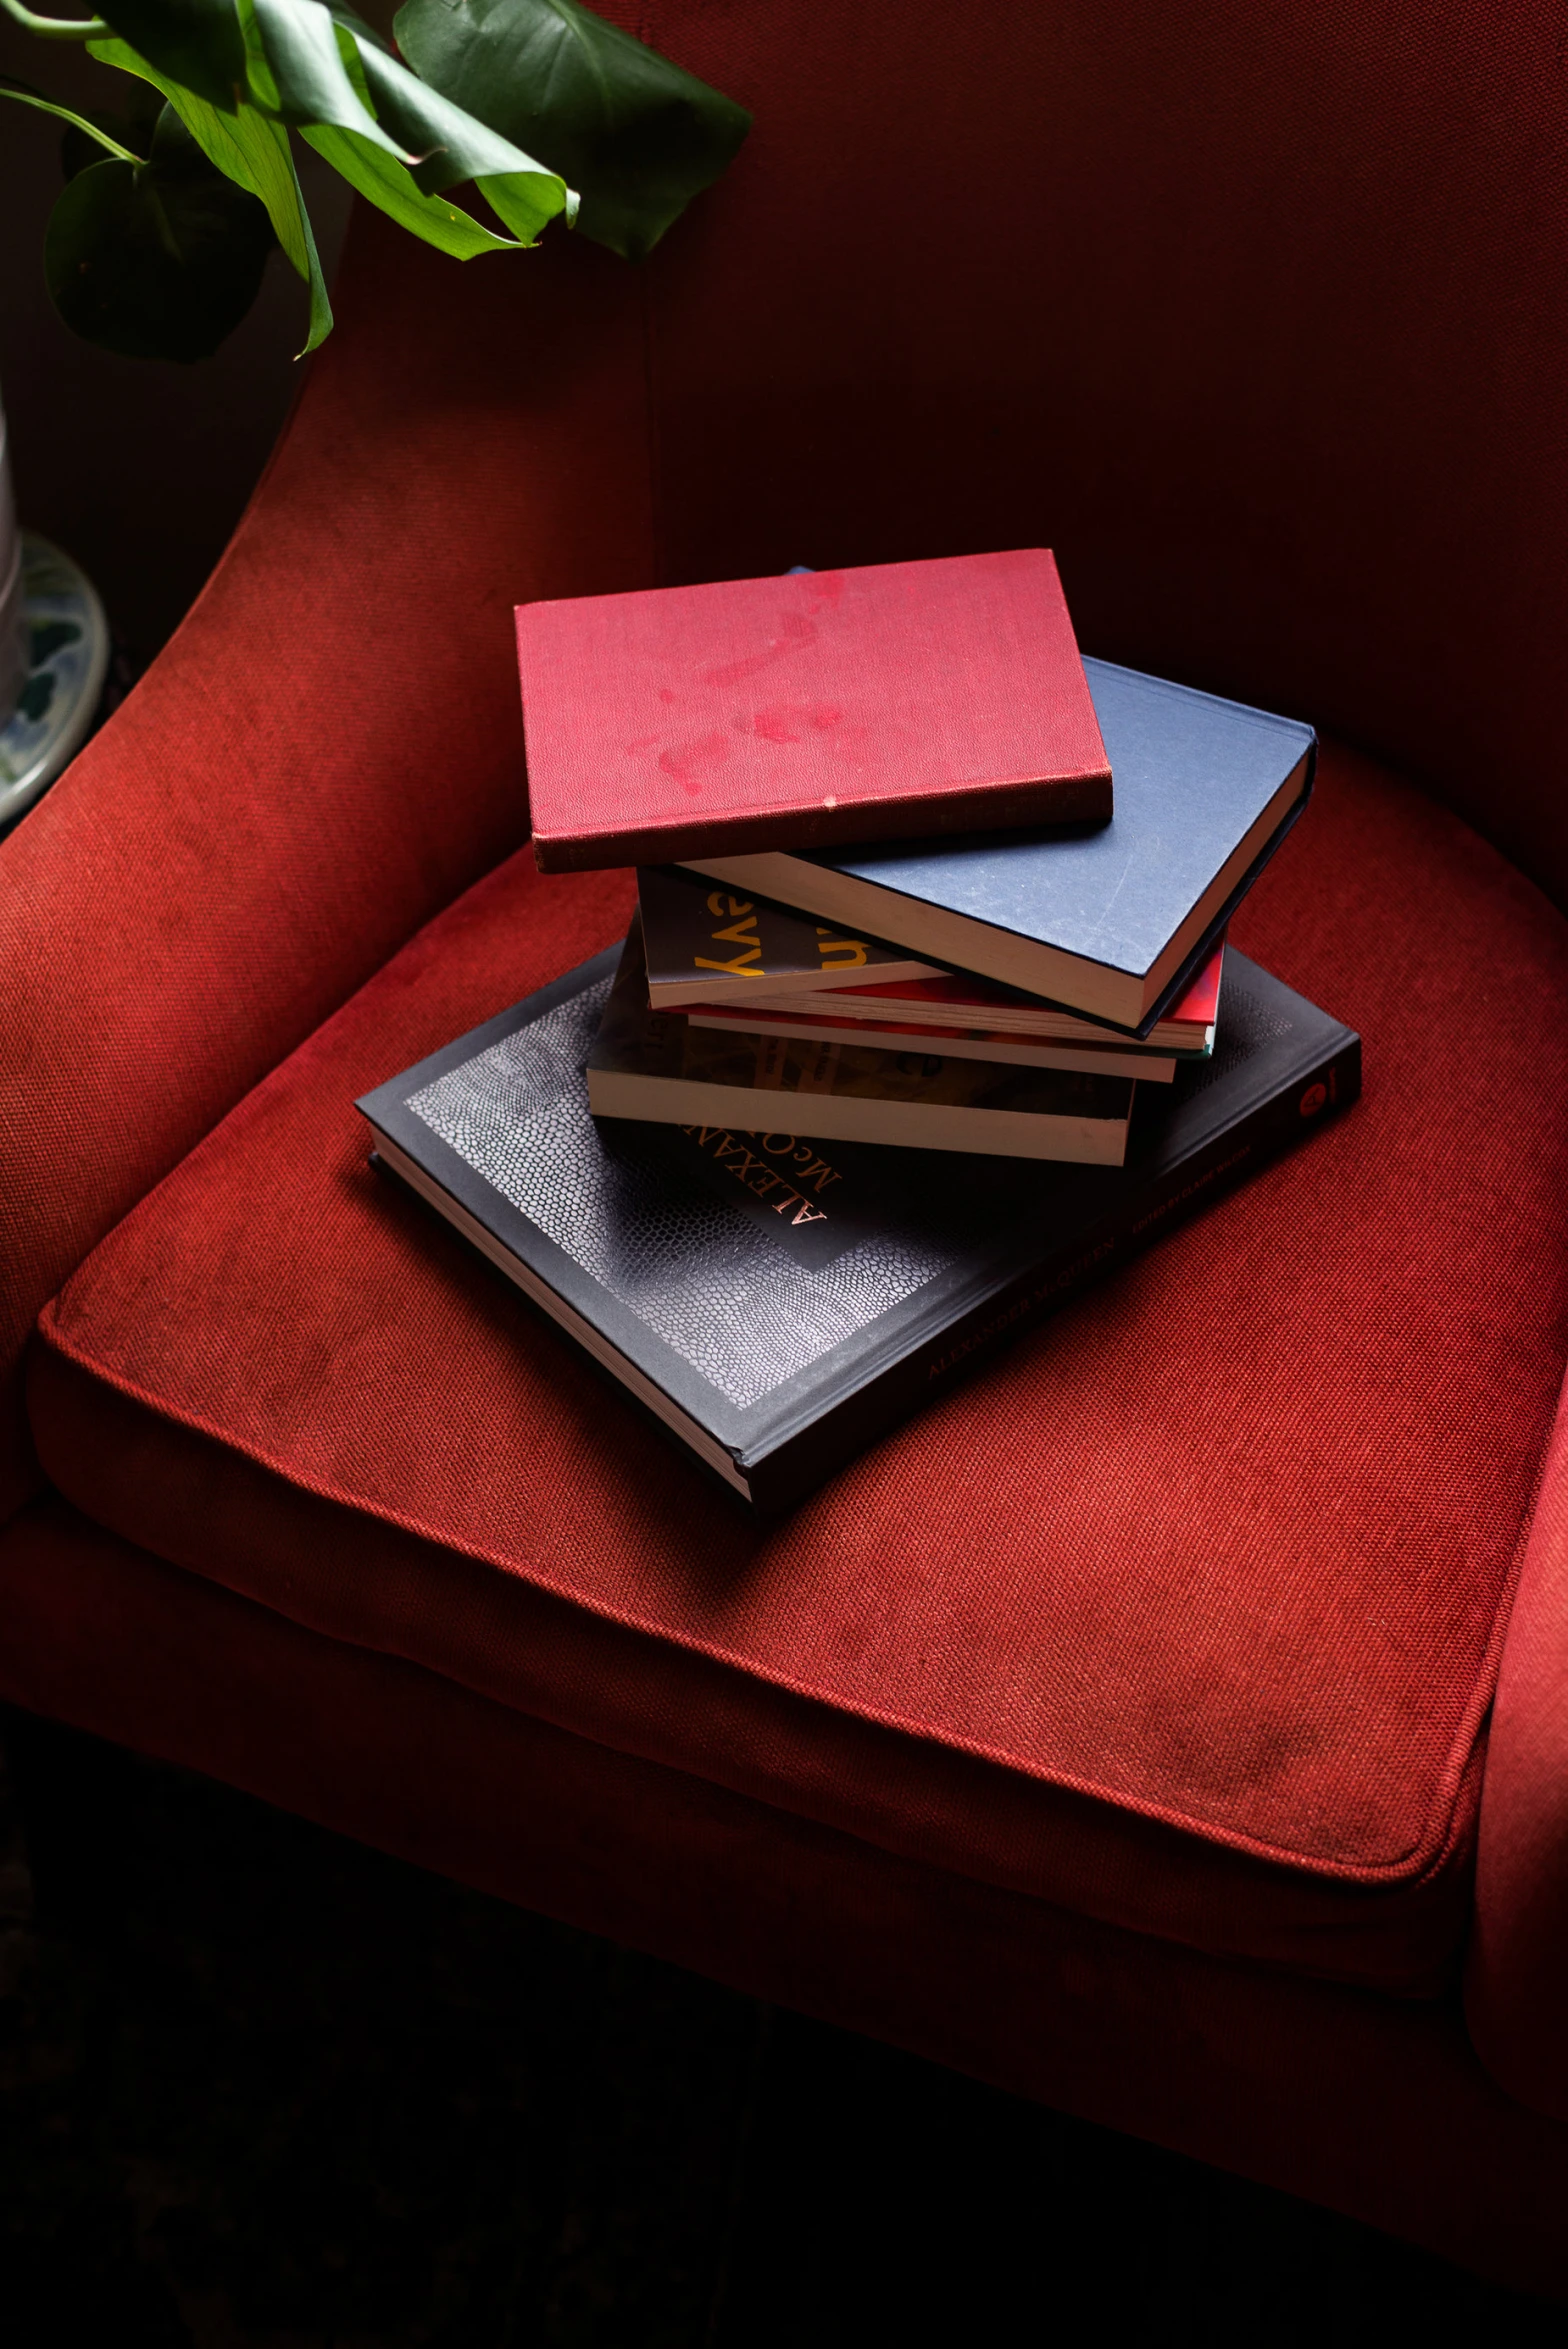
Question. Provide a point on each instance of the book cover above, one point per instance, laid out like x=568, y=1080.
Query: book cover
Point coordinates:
x=1112, y=921
x=705, y=944
x=889, y=702
x=776, y=1304
x=657, y=1065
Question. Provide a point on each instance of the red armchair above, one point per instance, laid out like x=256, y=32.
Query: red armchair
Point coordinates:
x=1124, y=1728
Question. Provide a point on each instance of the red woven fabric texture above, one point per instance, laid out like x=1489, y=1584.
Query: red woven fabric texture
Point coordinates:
x=329, y=751
x=1255, y=315
x=1515, y=1982
x=1224, y=1545
x=1372, y=2105
x=670, y=1704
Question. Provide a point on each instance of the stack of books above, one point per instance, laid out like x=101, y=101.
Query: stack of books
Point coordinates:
x=931, y=1058
x=926, y=1013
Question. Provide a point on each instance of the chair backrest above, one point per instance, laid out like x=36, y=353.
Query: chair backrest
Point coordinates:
x=1256, y=313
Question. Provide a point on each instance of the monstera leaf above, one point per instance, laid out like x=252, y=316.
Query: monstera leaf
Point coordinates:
x=197, y=43
x=480, y=91
x=636, y=135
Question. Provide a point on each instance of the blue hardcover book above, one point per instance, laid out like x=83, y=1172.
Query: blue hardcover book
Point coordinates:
x=1113, y=920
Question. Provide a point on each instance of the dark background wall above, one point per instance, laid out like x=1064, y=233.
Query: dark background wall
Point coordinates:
x=139, y=470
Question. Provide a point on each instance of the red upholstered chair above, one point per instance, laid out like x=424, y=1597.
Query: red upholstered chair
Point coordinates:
x=1171, y=1722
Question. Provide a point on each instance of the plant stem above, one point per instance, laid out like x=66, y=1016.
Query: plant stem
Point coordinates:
x=58, y=28
x=26, y=97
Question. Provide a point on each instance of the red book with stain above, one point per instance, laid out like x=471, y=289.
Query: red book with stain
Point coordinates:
x=891, y=702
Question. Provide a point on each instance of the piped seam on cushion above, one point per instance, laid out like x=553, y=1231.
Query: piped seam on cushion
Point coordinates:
x=1419, y=1858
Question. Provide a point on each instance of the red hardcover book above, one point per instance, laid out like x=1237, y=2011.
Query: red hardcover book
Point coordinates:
x=890, y=702
x=957, y=999
x=952, y=1000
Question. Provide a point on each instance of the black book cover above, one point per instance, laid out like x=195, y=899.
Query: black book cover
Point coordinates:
x=779, y=1304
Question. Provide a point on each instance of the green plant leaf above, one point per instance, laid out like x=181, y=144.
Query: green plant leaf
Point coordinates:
x=456, y=145
x=347, y=39
x=309, y=80
x=383, y=180
x=517, y=199
x=326, y=69
x=636, y=135
x=264, y=146
x=156, y=260
x=252, y=150
x=368, y=92
x=644, y=135
x=194, y=42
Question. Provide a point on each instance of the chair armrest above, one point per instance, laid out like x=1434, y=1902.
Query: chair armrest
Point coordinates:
x=1516, y=1988
x=327, y=752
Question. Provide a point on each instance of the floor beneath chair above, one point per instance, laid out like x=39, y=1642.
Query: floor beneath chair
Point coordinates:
x=262, y=2089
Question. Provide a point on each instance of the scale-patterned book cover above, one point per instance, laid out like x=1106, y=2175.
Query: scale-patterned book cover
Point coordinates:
x=777, y=1302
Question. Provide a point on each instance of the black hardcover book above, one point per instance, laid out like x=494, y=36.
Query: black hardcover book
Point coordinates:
x=777, y=1303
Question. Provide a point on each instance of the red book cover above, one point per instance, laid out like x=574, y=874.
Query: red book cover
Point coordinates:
x=975, y=1008
x=1197, y=1008
x=894, y=701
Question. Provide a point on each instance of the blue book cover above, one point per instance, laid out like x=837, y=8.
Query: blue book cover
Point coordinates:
x=1108, y=920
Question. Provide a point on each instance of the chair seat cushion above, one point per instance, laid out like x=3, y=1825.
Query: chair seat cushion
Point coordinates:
x=1183, y=1610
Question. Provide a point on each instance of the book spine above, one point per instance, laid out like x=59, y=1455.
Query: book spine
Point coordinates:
x=1250, y=1142
x=808, y=824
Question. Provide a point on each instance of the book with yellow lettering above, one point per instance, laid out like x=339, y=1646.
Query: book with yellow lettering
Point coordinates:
x=663, y=1066
x=777, y=1299
x=708, y=944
